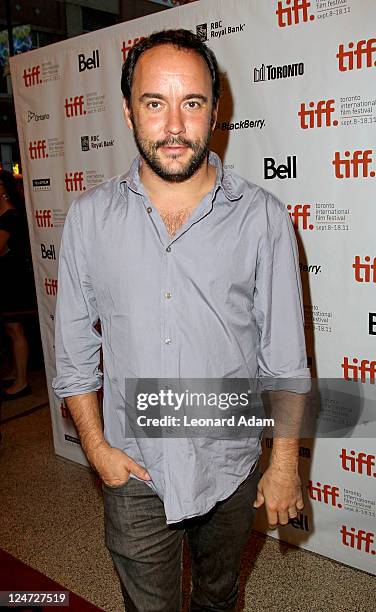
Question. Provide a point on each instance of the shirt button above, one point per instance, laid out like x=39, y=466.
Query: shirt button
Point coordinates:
x=149, y=209
x=168, y=249
x=168, y=340
x=168, y=295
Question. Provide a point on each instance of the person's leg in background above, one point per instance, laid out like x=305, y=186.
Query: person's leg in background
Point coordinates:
x=216, y=542
x=146, y=552
x=20, y=353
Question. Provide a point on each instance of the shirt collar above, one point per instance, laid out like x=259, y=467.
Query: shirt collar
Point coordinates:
x=231, y=185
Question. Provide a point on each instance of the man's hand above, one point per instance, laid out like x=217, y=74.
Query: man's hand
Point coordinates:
x=280, y=490
x=114, y=466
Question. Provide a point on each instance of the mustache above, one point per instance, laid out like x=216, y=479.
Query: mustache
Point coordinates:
x=173, y=141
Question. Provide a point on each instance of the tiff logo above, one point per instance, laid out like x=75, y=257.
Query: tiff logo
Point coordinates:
x=316, y=113
x=364, y=272
x=361, y=540
x=300, y=213
x=74, y=181
x=351, y=371
x=293, y=12
x=74, y=106
x=364, y=49
x=50, y=286
x=65, y=412
x=37, y=149
x=31, y=76
x=349, y=165
x=361, y=463
x=327, y=494
x=127, y=47
x=43, y=218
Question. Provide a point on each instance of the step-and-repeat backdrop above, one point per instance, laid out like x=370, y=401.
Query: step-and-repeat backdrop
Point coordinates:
x=298, y=116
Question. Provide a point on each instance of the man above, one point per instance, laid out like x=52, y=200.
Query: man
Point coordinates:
x=192, y=273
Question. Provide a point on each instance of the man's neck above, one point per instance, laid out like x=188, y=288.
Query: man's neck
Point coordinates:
x=176, y=196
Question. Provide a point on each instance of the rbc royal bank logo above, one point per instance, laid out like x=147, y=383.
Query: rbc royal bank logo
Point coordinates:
x=319, y=114
x=300, y=214
x=38, y=149
x=125, y=48
x=357, y=57
x=353, y=165
x=74, y=106
x=31, y=76
x=292, y=12
x=74, y=181
x=202, y=31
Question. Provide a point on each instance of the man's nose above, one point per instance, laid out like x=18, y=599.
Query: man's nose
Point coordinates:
x=175, y=122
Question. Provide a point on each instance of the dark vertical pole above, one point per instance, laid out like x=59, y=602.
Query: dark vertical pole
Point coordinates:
x=9, y=27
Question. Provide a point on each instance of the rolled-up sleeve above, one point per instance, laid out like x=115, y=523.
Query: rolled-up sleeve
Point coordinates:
x=77, y=342
x=278, y=305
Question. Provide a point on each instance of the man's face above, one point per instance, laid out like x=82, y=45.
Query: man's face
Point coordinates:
x=171, y=112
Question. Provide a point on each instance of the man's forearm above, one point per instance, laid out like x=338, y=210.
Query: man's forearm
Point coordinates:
x=288, y=410
x=85, y=414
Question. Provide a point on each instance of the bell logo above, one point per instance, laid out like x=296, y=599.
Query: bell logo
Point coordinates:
x=50, y=286
x=372, y=323
x=74, y=106
x=37, y=149
x=43, y=218
x=31, y=76
x=283, y=171
x=48, y=253
x=359, y=539
x=327, y=494
x=127, y=47
x=352, y=371
x=74, y=181
x=358, y=463
x=364, y=50
x=316, y=113
x=350, y=164
x=364, y=272
x=300, y=214
x=90, y=63
x=292, y=12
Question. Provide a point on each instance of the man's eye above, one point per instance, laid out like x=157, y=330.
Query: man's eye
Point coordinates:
x=154, y=104
x=193, y=104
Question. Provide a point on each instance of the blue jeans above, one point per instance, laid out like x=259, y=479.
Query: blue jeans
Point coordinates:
x=147, y=553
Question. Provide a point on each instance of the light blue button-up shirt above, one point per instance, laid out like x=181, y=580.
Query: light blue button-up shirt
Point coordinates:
x=220, y=299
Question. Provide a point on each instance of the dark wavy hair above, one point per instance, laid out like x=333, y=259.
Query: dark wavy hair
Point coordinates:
x=181, y=39
x=11, y=188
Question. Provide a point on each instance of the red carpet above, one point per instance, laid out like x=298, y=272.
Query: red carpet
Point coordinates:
x=17, y=576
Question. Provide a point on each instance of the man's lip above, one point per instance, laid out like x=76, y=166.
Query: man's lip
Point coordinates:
x=174, y=148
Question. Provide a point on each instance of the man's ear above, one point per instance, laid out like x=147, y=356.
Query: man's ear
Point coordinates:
x=127, y=115
x=214, y=116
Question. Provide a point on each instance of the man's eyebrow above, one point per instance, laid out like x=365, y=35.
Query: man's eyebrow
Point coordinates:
x=157, y=96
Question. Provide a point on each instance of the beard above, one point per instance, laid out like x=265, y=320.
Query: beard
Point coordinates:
x=148, y=150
